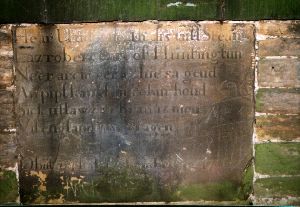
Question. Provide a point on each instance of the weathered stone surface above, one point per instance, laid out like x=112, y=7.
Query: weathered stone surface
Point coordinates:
x=8, y=156
x=279, y=47
x=278, y=127
x=277, y=158
x=278, y=201
x=278, y=100
x=279, y=28
x=6, y=68
x=279, y=73
x=285, y=188
x=121, y=112
x=7, y=119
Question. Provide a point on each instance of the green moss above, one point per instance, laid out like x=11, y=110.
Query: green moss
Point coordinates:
x=247, y=183
x=277, y=187
x=278, y=158
x=8, y=187
x=258, y=100
x=219, y=191
x=123, y=184
x=120, y=184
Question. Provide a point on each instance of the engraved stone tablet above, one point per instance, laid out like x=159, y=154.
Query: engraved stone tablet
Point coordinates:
x=125, y=112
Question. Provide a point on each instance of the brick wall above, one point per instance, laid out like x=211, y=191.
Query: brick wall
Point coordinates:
x=277, y=146
x=8, y=167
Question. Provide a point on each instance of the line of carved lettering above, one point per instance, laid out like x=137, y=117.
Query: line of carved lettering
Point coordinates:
x=63, y=109
x=67, y=91
x=40, y=163
x=76, y=35
x=146, y=52
x=114, y=73
x=66, y=35
x=68, y=126
x=191, y=34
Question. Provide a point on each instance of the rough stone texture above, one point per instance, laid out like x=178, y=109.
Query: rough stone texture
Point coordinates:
x=290, y=29
x=6, y=77
x=119, y=112
x=277, y=158
x=6, y=72
x=6, y=111
x=8, y=178
x=278, y=100
x=74, y=181
x=279, y=47
x=7, y=119
x=8, y=158
x=278, y=162
x=279, y=73
x=278, y=127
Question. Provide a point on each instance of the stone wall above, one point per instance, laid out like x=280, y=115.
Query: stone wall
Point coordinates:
x=276, y=178
x=8, y=156
x=277, y=147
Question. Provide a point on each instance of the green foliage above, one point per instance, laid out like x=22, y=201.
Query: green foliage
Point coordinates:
x=64, y=11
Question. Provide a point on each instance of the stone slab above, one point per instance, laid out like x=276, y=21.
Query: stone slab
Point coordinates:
x=276, y=188
x=279, y=73
x=271, y=29
x=277, y=158
x=279, y=47
x=278, y=127
x=133, y=111
x=278, y=100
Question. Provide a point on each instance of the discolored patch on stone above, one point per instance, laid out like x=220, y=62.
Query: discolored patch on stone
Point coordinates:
x=279, y=73
x=278, y=127
x=6, y=60
x=279, y=47
x=278, y=100
x=290, y=29
x=7, y=117
x=8, y=157
x=126, y=112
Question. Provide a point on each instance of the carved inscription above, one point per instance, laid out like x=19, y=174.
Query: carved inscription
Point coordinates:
x=164, y=97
